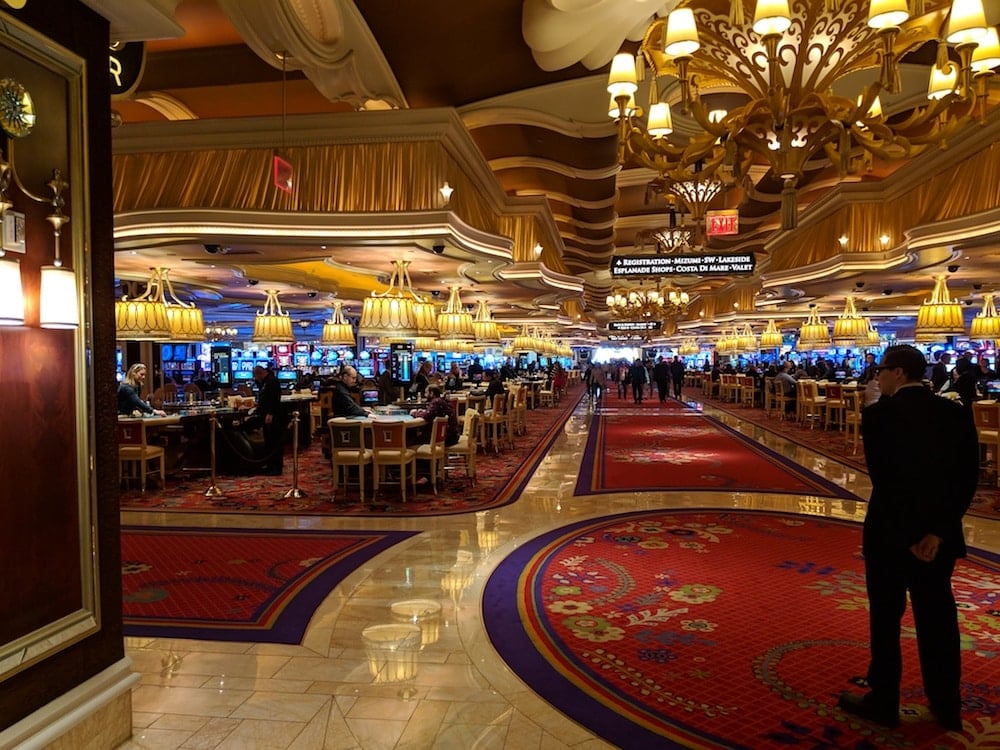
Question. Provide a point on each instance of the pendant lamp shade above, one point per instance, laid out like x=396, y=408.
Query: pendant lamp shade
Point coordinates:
x=814, y=333
x=939, y=316
x=986, y=325
x=455, y=324
x=338, y=331
x=391, y=314
x=144, y=318
x=770, y=337
x=850, y=327
x=272, y=325
x=485, y=327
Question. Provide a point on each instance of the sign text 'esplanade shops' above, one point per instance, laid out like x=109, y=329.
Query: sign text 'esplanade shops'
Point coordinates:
x=682, y=265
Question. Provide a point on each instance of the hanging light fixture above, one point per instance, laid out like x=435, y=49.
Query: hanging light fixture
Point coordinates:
x=939, y=316
x=770, y=337
x=144, y=318
x=187, y=322
x=486, y=329
x=158, y=315
x=688, y=348
x=814, y=333
x=455, y=323
x=850, y=327
x=338, y=331
x=391, y=313
x=272, y=325
x=524, y=342
x=871, y=338
x=747, y=339
x=790, y=116
x=986, y=325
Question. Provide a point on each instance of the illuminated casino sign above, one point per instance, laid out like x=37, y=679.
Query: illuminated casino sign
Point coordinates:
x=625, y=337
x=634, y=325
x=732, y=264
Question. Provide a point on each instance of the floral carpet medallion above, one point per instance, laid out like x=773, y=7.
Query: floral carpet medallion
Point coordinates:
x=715, y=629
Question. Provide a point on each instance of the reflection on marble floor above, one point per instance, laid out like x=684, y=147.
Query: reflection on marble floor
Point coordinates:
x=451, y=691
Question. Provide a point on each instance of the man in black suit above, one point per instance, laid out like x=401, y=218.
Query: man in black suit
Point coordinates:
x=272, y=418
x=923, y=455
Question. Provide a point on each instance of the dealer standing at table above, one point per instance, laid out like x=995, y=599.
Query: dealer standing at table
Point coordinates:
x=923, y=458
x=129, y=400
x=272, y=419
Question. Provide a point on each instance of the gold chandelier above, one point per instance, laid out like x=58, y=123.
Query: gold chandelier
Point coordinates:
x=338, y=331
x=157, y=314
x=272, y=325
x=487, y=332
x=940, y=316
x=688, y=348
x=398, y=312
x=647, y=303
x=814, y=333
x=986, y=325
x=782, y=70
x=455, y=323
x=850, y=328
x=770, y=337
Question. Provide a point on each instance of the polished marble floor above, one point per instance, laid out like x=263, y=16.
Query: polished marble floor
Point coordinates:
x=322, y=695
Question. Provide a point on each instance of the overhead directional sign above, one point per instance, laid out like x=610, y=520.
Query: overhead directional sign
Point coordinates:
x=733, y=264
x=625, y=337
x=634, y=325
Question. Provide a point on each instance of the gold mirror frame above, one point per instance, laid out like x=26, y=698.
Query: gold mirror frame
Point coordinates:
x=51, y=59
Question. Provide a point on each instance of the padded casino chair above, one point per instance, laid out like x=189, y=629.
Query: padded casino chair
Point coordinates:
x=835, y=405
x=462, y=455
x=135, y=454
x=495, y=421
x=389, y=450
x=347, y=449
x=435, y=452
x=854, y=399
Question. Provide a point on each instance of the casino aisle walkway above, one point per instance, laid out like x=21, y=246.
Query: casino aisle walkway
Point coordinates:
x=320, y=694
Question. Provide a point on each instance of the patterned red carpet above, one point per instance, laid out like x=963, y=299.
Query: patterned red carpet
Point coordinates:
x=716, y=629
x=236, y=584
x=500, y=481
x=831, y=444
x=670, y=448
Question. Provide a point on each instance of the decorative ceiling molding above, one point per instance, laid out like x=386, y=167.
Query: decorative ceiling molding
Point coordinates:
x=138, y=20
x=169, y=106
x=568, y=199
x=329, y=42
x=549, y=165
x=562, y=33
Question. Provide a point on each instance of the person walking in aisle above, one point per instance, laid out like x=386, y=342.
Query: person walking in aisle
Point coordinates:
x=639, y=377
x=661, y=375
x=677, y=375
x=913, y=535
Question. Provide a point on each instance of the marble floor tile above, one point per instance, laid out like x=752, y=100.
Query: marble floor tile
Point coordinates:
x=320, y=695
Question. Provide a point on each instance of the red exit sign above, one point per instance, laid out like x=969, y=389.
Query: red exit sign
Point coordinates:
x=724, y=221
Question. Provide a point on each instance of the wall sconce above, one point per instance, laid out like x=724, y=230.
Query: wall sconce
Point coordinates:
x=843, y=241
x=884, y=241
x=57, y=304
x=538, y=248
x=58, y=307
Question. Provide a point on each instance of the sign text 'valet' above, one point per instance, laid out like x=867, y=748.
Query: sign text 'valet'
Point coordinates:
x=732, y=264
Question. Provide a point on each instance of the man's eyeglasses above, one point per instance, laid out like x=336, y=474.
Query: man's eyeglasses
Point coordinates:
x=881, y=368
